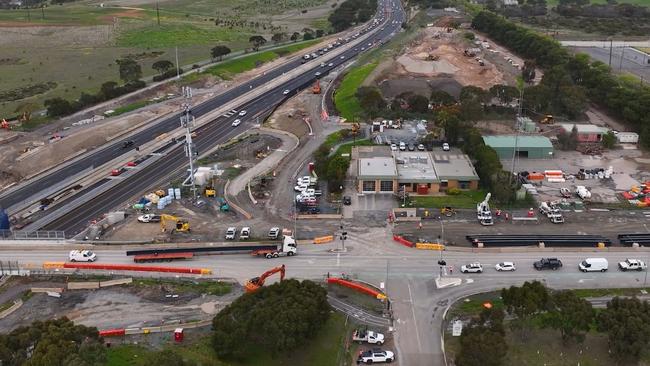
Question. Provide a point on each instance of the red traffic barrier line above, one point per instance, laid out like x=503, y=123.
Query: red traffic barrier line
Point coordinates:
x=131, y=267
x=403, y=241
x=112, y=332
x=355, y=286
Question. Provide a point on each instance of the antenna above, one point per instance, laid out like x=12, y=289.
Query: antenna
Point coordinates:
x=187, y=121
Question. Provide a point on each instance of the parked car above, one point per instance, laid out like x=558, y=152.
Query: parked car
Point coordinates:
x=411, y=147
x=364, y=335
x=475, y=267
x=376, y=355
x=421, y=147
x=82, y=256
x=393, y=147
x=347, y=200
x=632, y=265
x=505, y=266
x=594, y=265
x=245, y=233
x=402, y=146
x=236, y=122
x=149, y=218
x=445, y=147
x=274, y=233
x=231, y=232
x=547, y=263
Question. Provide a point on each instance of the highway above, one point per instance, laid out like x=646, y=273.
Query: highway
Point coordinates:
x=111, y=151
x=209, y=135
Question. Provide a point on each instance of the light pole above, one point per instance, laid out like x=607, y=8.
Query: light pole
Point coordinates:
x=645, y=278
x=441, y=240
x=343, y=237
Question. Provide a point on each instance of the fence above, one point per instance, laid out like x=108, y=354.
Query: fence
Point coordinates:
x=31, y=235
x=9, y=268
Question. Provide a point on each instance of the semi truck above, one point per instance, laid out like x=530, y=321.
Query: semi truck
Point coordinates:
x=288, y=248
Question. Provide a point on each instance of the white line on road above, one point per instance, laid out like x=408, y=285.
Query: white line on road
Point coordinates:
x=415, y=322
x=338, y=259
x=582, y=280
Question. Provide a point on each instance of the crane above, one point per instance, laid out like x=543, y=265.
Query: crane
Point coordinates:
x=255, y=283
x=180, y=225
x=483, y=212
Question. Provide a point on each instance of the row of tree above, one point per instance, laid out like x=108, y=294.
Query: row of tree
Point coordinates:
x=569, y=82
x=624, y=320
x=352, y=12
x=330, y=166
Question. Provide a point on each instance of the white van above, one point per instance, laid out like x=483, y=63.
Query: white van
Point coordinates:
x=230, y=233
x=594, y=265
x=245, y=233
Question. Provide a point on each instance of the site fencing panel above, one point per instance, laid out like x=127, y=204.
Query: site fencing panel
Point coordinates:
x=32, y=235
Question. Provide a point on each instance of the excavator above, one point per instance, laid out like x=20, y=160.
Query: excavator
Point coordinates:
x=547, y=120
x=316, y=88
x=180, y=225
x=255, y=283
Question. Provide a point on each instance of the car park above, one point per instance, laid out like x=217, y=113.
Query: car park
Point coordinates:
x=547, y=263
x=375, y=355
x=505, y=266
x=231, y=232
x=82, y=256
x=236, y=122
x=594, y=265
x=147, y=218
x=632, y=265
x=475, y=267
x=242, y=113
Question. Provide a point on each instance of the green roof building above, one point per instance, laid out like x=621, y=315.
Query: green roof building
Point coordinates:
x=532, y=147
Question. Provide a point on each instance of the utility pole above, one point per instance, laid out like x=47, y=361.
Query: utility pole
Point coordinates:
x=620, y=64
x=611, y=42
x=187, y=120
x=43, y=11
x=519, y=112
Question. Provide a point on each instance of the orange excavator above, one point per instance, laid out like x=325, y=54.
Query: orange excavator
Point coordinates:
x=255, y=283
x=316, y=88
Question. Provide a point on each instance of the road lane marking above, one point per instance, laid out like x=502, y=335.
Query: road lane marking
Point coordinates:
x=338, y=259
x=415, y=323
x=582, y=280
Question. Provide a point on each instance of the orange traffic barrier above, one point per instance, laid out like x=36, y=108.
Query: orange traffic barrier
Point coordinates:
x=50, y=265
x=355, y=286
x=131, y=267
x=324, y=239
x=112, y=332
x=430, y=246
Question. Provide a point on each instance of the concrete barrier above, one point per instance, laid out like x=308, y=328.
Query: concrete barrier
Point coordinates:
x=403, y=241
x=52, y=265
x=92, y=285
x=46, y=289
x=429, y=246
x=324, y=239
x=122, y=281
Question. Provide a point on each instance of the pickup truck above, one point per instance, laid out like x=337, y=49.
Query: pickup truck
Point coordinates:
x=376, y=355
x=369, y=336
x=632, y=265
x=547, y=263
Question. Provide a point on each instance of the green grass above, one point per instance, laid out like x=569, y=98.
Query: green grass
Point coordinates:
x=347, y=148
x=602, y=292
x=227, y=69
x=333, y=138
x=6, y=306
x=208, y=287
x=466, y=199
x=170, y=35
x=69, y=14
x=345, y=98
x=130, y=107
x=552, y=3
x=322, y=350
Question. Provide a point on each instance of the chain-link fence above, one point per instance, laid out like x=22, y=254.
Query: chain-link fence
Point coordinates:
x=32, y=235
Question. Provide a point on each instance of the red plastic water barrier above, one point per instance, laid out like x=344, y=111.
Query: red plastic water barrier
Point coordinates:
x=130, y=267
x=355, y=286
x=112, y=332
x=403, y=241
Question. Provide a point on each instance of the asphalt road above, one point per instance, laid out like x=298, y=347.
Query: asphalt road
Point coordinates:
x=409, y=276
x=209, y=135
x=621, y=60
x=115, y=150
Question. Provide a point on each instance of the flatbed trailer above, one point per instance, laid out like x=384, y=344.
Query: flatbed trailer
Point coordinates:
x=162, y=257
x=287, y=247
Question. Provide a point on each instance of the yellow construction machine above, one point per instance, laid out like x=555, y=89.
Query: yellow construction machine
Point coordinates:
x=180, y=225
x=547, y=120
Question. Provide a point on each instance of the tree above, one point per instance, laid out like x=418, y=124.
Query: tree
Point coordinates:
x=418, y=103
x=162, y=66
x=57, y=107
x=307, y=36
x=440, y=98
x=504, y=93
x=257, y=41
x=219, y=51
x=108, y=90
x=371, y=100
x=275, y=319
x=471, y=110
x=295, y=36
x=319, y=33
x=609, y=140
x=528, y=71
x=525, y=301
x=130, y=70
x=337, y=168
x=626, y=323
x=483, y=342
x=279, y=37
x=570, y=314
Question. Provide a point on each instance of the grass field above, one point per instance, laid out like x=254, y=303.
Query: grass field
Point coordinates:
x=322, y=350
x=76, y=44
x=345, y=99
x=466, y=199
x=227, y=69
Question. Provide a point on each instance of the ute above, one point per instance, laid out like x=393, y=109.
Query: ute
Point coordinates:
x=82, y=256
x=376, y=355
x=547, y=263
x=632, y=265
x=364, y=335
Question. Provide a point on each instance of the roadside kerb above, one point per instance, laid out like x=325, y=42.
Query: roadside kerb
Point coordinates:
x=5, y=313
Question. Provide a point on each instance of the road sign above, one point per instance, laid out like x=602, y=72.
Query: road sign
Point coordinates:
x=457, y=328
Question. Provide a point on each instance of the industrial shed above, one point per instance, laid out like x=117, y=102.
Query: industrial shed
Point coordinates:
x=532, y=147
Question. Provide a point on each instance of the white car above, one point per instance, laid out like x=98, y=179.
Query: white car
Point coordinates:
x=322, y=64
x=286, y=91
x=393, y=147
x=472, y=268
x=632, y=265
x=231, y=232
x=317, y=73
x=421, y=147
x=342, y=57
x=445, y=147
x=300, y=187
x=242, y=113
x=82, y=256
x=330, y=64
x=376, y=355
x=236, y=122
x=149, y=218
x=505, y=266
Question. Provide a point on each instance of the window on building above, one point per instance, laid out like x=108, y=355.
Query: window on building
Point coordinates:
x=443, y=186
x=386, y=186
x=464, y=184
x=369, y=185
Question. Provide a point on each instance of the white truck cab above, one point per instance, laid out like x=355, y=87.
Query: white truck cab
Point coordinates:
x=82, y=256
x=231, y=232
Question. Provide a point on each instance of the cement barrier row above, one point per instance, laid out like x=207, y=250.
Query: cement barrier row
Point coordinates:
x=37, y=290
x=91, y=285
x=125, y=267
x=147, y=330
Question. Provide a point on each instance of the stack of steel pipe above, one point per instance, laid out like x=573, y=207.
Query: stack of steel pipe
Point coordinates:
x=536, y=240
x=629, y=239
